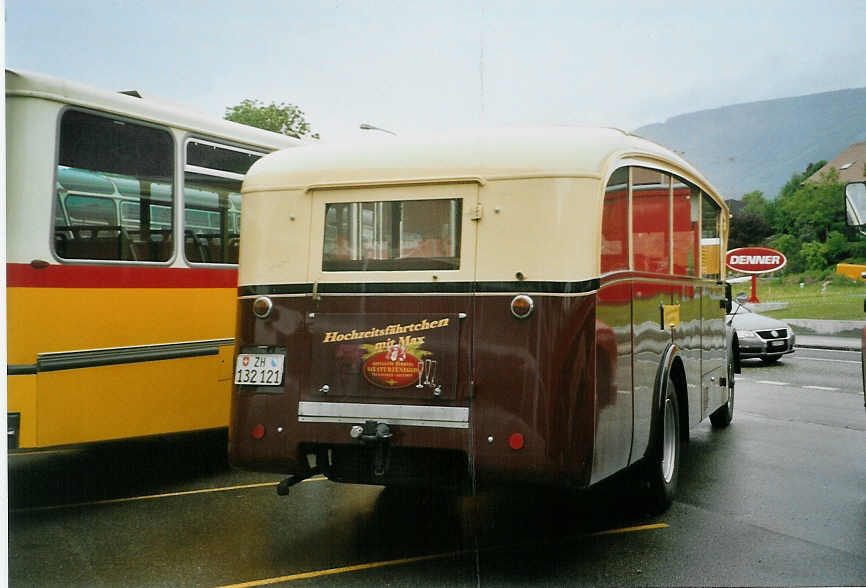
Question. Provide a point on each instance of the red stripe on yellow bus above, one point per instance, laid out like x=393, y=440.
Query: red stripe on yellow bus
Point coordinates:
x=119, y=276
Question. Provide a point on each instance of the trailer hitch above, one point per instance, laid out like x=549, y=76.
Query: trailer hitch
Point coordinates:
x=379, y=436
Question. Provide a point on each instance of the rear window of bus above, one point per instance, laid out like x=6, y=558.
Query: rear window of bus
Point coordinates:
x=392, y=235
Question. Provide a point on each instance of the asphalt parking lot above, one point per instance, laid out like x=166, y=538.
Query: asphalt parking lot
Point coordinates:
x=775, y=499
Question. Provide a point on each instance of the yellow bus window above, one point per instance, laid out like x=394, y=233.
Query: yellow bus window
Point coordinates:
x=212, y=200
x=105, y=166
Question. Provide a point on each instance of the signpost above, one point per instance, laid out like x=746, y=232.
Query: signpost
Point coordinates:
x=754, y=261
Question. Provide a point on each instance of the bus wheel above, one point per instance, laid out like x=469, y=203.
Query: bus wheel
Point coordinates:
x=663, y=465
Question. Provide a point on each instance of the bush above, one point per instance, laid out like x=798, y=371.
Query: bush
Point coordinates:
x=837, y=246
x=815, y=255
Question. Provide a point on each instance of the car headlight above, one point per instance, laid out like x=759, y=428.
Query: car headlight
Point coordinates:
x=742, y=334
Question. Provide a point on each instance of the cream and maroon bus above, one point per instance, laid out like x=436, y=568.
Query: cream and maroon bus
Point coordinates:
x=542, y=305
x=123, y=217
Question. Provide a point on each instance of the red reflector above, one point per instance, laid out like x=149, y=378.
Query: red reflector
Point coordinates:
x=258, y=432
x=516, y=441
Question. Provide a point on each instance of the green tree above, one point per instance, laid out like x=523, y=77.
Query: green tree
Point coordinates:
x=747, y=229
x=755, y=203
x=790, y=246
x=281, y=117
x=812, y=210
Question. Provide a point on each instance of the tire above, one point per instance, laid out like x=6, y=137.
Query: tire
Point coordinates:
x=663, y=464
x=723, y=415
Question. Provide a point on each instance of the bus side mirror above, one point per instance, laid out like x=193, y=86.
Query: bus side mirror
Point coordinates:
x=728, y=304
x=855, y=203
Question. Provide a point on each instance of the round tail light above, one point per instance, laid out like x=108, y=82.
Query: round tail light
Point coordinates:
x=521, y=306
x=262, y=307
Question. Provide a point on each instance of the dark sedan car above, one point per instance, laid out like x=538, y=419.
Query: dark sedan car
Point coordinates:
x=760, y=336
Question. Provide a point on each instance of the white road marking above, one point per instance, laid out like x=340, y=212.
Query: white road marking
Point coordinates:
x=827, y=388
x=773, y=382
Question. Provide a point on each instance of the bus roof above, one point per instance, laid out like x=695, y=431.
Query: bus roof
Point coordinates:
x=28, y=84
x=479, y=155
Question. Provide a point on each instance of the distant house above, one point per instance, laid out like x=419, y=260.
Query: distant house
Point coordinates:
x=850, y=163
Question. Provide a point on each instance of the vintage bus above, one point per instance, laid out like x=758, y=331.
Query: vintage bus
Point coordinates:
x=122, y=243
x=539, y=305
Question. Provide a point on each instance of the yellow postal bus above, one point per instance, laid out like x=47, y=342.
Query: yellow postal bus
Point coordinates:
x=122, y=241
x=503, y=306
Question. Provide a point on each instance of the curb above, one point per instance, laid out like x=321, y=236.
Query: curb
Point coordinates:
x=842, y=347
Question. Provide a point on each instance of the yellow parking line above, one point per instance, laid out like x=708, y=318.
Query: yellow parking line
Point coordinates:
x=346, y=569
x=409, y=560
x=152, y=496
x=633, y=529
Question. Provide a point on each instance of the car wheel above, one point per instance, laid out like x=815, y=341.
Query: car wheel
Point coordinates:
x=663, y=464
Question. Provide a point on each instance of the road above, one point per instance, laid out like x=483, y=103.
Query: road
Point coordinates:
x=777, y=498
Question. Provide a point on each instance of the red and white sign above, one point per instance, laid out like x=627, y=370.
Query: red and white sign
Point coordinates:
x=755, y=260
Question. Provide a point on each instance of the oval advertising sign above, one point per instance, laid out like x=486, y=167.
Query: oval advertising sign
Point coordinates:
x=392, y=368
x=755, y=260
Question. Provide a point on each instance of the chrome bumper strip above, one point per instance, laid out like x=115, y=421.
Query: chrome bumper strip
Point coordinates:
x=392, y=414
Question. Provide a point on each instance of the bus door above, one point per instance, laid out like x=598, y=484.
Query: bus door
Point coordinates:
x=391, y=311
x=713, y=353
x=687, y=297
x=653, y=291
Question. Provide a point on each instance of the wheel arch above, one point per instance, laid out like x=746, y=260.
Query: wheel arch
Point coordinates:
x=670, y=365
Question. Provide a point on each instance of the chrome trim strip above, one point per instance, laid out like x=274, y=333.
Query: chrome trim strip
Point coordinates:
x=425, y=288
x=454, y=417
x=65, y=360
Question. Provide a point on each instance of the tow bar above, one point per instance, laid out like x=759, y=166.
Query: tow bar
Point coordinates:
x=379, y=435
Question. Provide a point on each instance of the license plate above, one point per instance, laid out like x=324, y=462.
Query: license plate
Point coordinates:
x=257, y=369
x=776, y=344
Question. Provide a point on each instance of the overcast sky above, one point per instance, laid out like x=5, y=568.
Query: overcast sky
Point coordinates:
x=410, y=66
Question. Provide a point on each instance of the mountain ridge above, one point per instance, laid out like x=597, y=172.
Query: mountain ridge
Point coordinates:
x=760, y=145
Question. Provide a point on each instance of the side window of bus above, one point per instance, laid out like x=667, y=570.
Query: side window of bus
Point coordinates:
x=687, y=206
x=106, y=166
x=651, y=220
x=711, y=242
x=212, y=200
x=614, y=224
